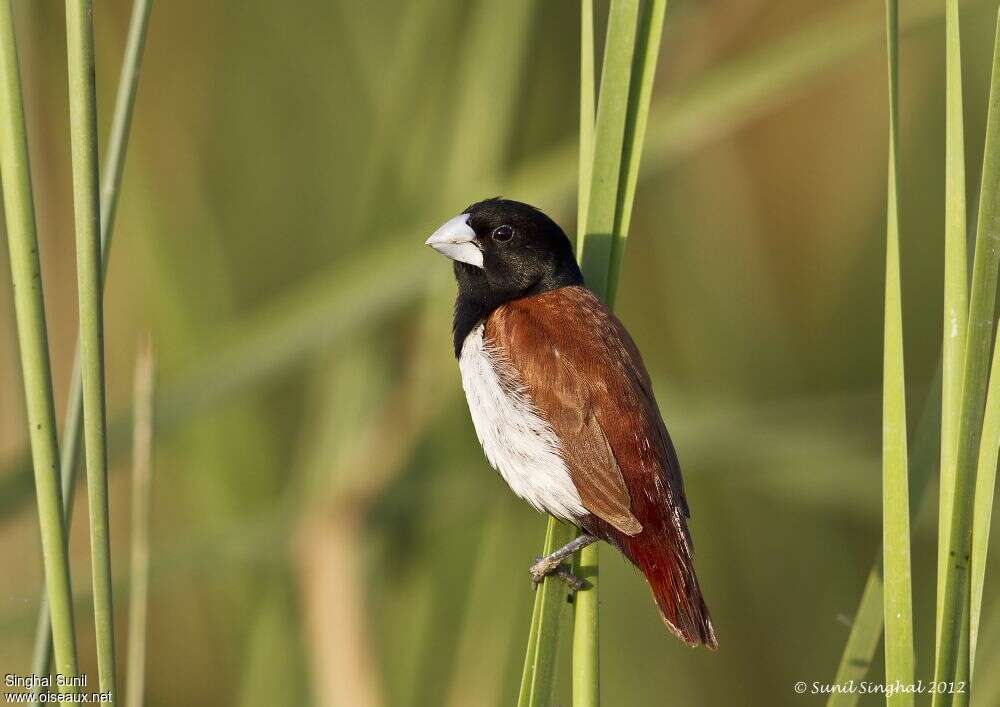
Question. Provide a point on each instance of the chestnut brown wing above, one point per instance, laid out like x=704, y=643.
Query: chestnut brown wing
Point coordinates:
x=583, y=373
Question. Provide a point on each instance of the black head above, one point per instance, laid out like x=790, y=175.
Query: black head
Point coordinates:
x=503, y=250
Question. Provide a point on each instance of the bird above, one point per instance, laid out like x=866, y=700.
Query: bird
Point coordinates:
x=563, y=406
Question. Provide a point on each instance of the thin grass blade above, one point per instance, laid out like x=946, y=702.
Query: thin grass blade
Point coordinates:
x=114, y=165
x=587, y=105
x=538, y=675
x=647, y=53
x=986, y=478
x=594, y=252
x=286, y=331
x=142, y=474
x=898, y=599
x=29, y=307
x=866, y=629
x=86, y=207
x=586, y=619
x=595, y=241
x=586, y=630
x=952, y=659
x=956, y=309
x=956, y=287
x=604, y=168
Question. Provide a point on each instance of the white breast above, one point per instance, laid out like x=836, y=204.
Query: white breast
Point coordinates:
x=517, y=441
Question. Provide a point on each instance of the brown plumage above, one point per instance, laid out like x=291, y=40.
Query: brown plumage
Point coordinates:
x=589, y=383
x=562, y=404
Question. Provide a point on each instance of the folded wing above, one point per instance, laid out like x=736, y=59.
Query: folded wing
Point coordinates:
x=583, y=373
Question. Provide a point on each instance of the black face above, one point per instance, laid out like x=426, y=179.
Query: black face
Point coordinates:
x=524, y=252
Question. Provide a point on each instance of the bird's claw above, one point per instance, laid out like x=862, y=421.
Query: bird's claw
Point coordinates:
x=544, y=567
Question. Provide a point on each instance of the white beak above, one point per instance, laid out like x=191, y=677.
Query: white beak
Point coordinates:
x=455, y=239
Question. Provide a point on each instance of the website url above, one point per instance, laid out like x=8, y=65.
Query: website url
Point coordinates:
x=56, y=697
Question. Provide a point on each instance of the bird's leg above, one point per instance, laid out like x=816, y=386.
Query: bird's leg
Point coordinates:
x=551, y=564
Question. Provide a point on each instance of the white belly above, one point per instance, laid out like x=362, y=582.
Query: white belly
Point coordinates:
x=518, y=443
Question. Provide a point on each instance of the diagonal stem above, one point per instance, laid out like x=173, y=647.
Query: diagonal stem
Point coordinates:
x=114, y=165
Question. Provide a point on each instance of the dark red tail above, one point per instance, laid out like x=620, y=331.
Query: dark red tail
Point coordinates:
x=669, y=570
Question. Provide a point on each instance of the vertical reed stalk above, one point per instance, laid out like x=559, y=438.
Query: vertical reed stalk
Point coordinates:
x=538, y=675
x=587, y=104
x=86, y=207
x=866, y=630
x=956, y=309
x=953, y=659
x=956, y=284
x=142, y=470
x=586, y=630
x=867, y=625
x=986, y=478
x=586, y=618
x=29, y=308
x=647, y=54
x=114, y=165
x=594, y=245
x=594, y=255
x=610, y=146
x=898, y=600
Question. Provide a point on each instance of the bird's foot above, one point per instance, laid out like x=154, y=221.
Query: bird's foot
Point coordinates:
x=551, y=564
x=552, y=567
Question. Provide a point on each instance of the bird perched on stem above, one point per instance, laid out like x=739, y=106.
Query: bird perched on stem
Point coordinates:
x=563, y=406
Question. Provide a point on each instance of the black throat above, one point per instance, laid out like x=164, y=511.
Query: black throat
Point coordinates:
x=477, y=298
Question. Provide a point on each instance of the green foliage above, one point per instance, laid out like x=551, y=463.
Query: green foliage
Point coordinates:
x=586, y=619
x=953, y=657
x=32, y=338
x=121, y=122
x=538, y=675
x=594, y=244
x=969, y=438
x=310, y=428
x=986, y=477
x=898, y=598
x=86, y=203
x=866, y=629
x=956, y=289
x=605, y=203
x=368, y=285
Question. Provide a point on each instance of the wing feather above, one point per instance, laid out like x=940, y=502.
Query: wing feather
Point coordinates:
x=581, y=370
x=596, y=394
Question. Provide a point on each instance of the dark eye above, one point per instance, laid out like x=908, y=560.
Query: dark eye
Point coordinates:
x=502, y=234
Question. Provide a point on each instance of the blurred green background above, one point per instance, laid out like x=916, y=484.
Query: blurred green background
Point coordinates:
x=325, y=528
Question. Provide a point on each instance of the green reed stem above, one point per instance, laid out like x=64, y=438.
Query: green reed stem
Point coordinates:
x=142, y=471
x=898, y=598
x=538, y=675
x=956, y=307
x=86, y=207
x=360, y=290
x=952, y=660
x=594, y=244
x=586, y=630
x=956, y=284
x=647, y=53
x=866, y=629
x=610, y=147
x=588, y=102
x=598, y=211
x=986, y=478
x=114, y=165
x=29, y=307
x=586, y=618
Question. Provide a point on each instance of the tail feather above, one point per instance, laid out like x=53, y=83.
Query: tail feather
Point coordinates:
x=670, y=573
